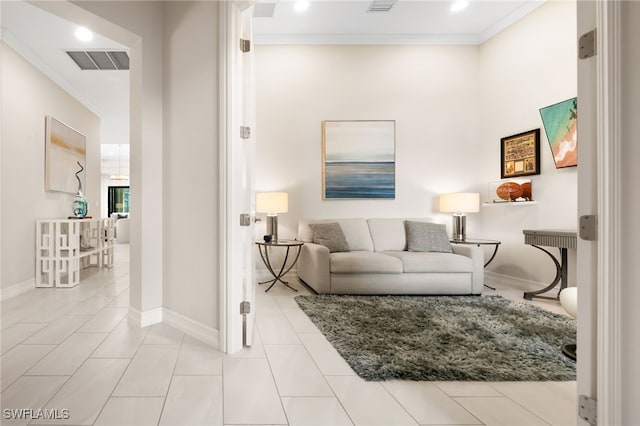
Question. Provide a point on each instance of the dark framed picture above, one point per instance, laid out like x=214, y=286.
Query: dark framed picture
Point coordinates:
x=520, y=154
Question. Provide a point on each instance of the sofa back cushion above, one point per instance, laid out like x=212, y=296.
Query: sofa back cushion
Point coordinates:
x=425, y=236
x=355, y=230
x=330, y=235
x=389, y=234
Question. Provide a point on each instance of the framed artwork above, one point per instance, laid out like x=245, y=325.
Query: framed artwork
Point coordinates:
x=64, y=148
x=560, y=123
x=358, y=159
x=520, y=154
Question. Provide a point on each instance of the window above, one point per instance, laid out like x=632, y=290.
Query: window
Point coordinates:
x=118, y=199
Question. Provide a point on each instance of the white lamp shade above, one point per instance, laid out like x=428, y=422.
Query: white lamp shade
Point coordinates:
x=460, y=202
x=272, y=202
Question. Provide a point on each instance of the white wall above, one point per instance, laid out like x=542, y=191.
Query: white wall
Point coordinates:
x=187, y=191
x=190, y=176
x=138, y=24
x=452, y=104
x=27, y=97
x=527, y=66
x=431, y=92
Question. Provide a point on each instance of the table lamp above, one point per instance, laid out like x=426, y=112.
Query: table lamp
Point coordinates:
x=459, y=204
x=272, y=203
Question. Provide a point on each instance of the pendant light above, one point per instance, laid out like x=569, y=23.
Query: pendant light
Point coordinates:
x=119, y=176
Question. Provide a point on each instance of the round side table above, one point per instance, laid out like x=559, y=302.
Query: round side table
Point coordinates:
x=263, y=248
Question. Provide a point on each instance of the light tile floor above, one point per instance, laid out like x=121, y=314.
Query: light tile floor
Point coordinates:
x=72, y=349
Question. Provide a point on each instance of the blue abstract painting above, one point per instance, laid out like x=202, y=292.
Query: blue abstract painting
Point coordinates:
x=359, y=159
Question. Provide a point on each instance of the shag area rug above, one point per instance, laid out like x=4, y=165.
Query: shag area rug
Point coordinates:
x=465, y=338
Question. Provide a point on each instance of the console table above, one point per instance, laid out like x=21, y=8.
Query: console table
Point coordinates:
x=562, y=239
x=263, y=248
x=64, y=246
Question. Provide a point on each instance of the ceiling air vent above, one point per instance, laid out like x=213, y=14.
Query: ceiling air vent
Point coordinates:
x=381, y=5
x=263, y=10
x=100, y=59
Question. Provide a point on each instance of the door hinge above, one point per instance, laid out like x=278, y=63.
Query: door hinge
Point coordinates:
x=588, y=409
x=245, y=132
x=589, y=227
x=245, y=308
x=245, y=219
x=245, y=45
x=587, y=45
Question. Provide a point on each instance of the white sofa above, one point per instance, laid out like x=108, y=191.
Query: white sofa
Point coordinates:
x=379, y=262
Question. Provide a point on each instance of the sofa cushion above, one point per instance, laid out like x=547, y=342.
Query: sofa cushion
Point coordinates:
x=425, y=236
x=416, y=262
x=365, y=262
x=387, y=234
x=355, y=231
x=329, y=235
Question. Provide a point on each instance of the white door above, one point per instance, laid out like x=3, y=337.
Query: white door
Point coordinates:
x=599, y=175
x=237, y=176
x=587, y=205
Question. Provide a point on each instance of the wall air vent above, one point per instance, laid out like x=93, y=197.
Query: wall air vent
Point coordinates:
x=100, y=59
x=381, y=5
x=263, y=10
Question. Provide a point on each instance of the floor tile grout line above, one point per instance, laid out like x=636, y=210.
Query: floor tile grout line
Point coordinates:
x=275, y=382
x=398, y=402
x=173, y=371
x=461, y=406
x=527, y=409
x=515, y=402
x=121, y=375
x=324, y=377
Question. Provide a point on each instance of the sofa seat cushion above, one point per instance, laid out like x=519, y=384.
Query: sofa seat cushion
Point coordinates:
x=365, y=262
x=416, y=262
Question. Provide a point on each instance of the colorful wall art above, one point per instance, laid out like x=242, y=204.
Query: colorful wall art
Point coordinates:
x=561, y=126
x=64, y=148
x=358, y=159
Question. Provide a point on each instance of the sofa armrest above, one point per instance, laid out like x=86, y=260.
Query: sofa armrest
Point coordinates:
x=476, y=254
x=314, y=267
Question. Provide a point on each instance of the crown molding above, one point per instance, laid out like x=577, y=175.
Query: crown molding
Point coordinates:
x=509, y=20
x=366, y=39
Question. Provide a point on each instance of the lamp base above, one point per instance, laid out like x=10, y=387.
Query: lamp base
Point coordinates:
x=459, y=227
x=272, y=227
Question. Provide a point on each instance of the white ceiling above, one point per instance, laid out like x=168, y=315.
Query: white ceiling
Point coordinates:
x=408, y=22
x=42, y=38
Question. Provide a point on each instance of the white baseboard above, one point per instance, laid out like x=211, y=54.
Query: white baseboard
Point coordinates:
x=17, y=289
x=146, y=318
x=192, y=328
x=514, y=282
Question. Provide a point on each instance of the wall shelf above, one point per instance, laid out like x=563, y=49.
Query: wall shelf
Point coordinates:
x=512, y=203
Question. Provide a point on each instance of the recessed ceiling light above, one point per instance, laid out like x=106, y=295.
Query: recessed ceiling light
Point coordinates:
x=84, y=34
x=459, y=5
x=301, y=5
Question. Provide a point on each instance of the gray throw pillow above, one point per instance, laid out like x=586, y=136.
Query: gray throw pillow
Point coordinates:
x=329, y=235
x=425, y=236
